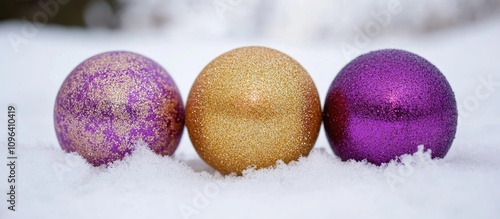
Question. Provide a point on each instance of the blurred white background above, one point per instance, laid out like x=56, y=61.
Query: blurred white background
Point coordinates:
x=294, y=19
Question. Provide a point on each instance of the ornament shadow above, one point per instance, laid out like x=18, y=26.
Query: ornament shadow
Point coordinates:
x=199, y=165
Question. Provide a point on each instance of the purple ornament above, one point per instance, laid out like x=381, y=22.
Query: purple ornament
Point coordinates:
x=114, y=100
x=385, y=103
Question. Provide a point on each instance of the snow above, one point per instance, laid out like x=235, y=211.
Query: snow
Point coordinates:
x=54, y=184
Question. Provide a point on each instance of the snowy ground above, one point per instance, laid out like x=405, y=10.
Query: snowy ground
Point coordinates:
x=54, y=184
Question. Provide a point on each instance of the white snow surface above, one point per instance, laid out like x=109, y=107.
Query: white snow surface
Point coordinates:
x=54, y=184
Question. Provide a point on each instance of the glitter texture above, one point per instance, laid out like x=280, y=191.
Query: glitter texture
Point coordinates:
x=112, y=101
x=251, y=107
x=385, y=103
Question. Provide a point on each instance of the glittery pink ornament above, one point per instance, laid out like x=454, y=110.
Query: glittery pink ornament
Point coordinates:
x=385, y=103
x=114, y=100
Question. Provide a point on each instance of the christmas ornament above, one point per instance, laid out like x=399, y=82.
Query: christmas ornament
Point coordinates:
x=251, y=107
x=385, y=103
x=114, y=100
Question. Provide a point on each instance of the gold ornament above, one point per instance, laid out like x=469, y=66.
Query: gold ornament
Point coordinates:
x=251, y=107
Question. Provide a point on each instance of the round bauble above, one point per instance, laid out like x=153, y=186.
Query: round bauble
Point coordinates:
x=251, y=107
x=114, y=100
x=385, y=104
